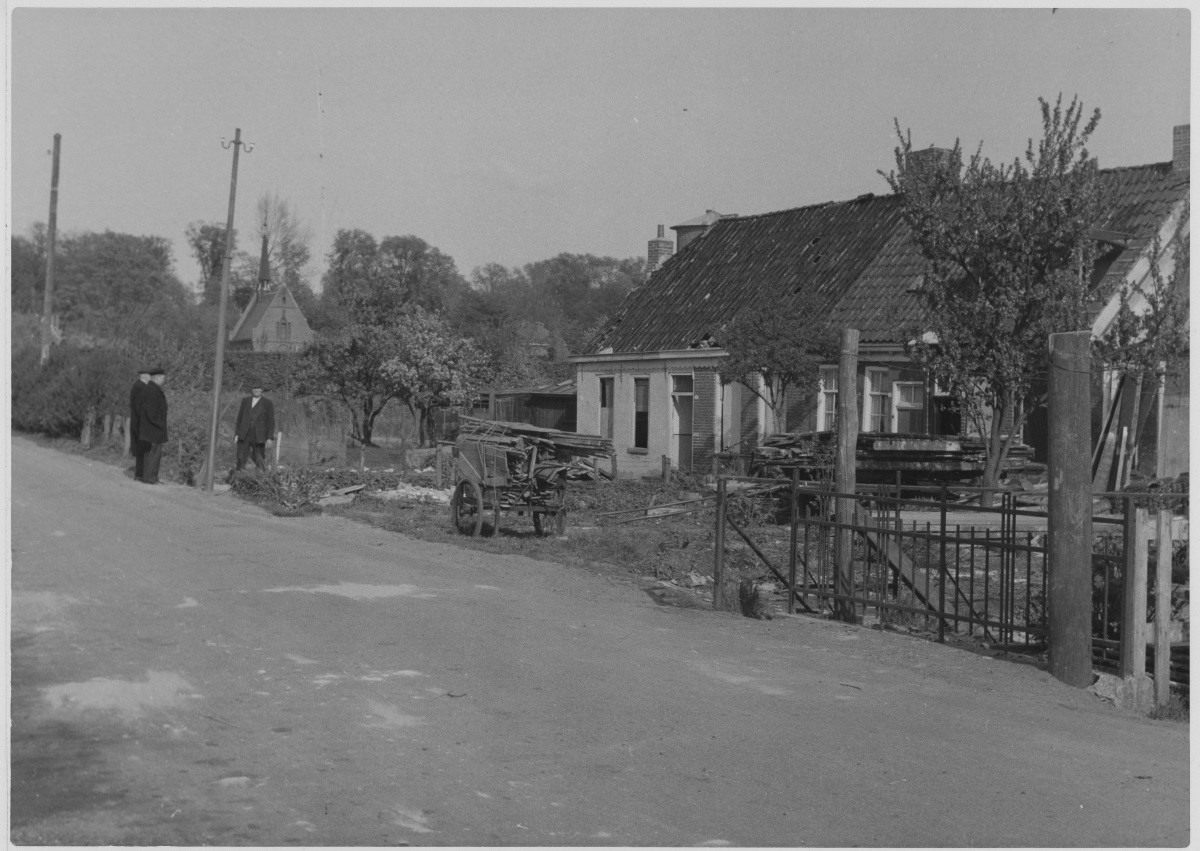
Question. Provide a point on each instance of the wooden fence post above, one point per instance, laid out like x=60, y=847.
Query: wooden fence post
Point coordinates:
x=719, y=549
x=1069, y=523
x=844, y=483
x=666, y=469
x=1162, y=610
x=1133, y=609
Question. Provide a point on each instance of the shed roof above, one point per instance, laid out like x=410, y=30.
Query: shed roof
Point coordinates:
x=856, y=255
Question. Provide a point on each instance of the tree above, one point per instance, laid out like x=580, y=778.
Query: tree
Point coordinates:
x=776, y=352
x=572, y=293
x=378, y=282
x=1150, y=335
x=432, y=368
x=346, y=363
x=116, y=285
x=1008, y=262
x=28, y=260
x=207, y=241
x=287, y=242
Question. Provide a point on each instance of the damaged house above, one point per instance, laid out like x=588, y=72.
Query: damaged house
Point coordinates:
x=650, y=380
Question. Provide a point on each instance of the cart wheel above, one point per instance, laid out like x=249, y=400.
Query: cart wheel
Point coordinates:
x=494, y=511
x=466, y=508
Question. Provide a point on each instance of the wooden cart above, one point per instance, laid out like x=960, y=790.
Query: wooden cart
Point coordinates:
x=497, y=474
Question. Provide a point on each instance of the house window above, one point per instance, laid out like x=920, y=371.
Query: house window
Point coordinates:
x=909, y=402
x=877, y=401
x=283, y=330
x=641, y=413
x=606, y=408
x=827, y=403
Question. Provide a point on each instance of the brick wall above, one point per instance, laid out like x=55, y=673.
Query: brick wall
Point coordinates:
x=1181, y=153
x=706, y=388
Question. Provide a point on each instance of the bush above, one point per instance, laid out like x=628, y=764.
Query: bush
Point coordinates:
x=291, y=488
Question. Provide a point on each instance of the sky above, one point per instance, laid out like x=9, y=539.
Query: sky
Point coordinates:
x=510, y=135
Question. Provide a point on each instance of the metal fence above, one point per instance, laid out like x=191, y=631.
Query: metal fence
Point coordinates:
x=915, y=558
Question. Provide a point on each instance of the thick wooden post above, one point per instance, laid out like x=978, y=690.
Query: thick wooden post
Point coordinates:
x=719, y=549
x=1069, y=550
x=844, y=474
x=795, y=523
x=1162, y=611
x=51, y=236
x=1133, y=588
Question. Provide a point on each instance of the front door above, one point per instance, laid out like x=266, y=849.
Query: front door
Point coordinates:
x=681, y=421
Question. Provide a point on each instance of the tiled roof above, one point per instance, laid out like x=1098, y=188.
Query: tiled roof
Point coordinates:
x=856, y=254
x=247, y=324
x=822, y=248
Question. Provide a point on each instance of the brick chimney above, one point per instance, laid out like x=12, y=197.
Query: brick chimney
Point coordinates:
x=1181, y=149
x=929, y=159
x=658, y=250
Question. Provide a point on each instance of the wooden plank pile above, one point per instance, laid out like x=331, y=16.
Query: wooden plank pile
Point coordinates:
x=546, y=439
x=547, y=451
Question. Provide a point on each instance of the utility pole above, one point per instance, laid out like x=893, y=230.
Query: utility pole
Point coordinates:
x=48, y=297
x=219, y=365
x=1069, y=544
x=845, y=474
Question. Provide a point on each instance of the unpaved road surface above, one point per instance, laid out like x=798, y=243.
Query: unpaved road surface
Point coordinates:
x=190, y=670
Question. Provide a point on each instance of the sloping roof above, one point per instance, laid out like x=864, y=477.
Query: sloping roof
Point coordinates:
x=251, y=316
x=822, y=248
x=856, y=254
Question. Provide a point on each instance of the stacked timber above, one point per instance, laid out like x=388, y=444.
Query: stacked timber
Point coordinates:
x=882, y=455
x=562, y=443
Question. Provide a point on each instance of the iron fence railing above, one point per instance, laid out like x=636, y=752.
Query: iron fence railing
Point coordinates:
x=918, y=558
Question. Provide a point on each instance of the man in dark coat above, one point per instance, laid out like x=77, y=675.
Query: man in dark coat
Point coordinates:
x=135, y=414
x=152, y=425
x=255, y=428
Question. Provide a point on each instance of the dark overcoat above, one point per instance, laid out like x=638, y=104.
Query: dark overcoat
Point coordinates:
x=256, y=423
x=135, y=411
x=152, y=424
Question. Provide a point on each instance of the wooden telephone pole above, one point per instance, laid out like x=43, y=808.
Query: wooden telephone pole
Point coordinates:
x=48, y=296
x=219, y=365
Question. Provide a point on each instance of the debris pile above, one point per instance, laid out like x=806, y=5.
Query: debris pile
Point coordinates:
x=528, y=449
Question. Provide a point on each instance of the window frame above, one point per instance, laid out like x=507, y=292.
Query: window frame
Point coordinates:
x=826, y=399
x=607, y=411
x=873, y=389
x=641, y=418
x=897, y=407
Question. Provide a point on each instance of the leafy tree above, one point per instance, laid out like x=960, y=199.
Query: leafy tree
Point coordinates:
x=571, y=293
x=776, y=352
x=432, y=368
x=1008, y=262
x=345, y=363
x=207, y=241
x=119, y=286
x=378, y=282
x=1150, y=335
x=28, y=260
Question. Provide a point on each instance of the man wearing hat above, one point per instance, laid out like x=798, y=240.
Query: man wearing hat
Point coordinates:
x=135, y=414
x=255, y=427
x=152, y=424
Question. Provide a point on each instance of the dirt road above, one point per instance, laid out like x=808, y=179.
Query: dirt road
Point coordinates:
x=190, y=670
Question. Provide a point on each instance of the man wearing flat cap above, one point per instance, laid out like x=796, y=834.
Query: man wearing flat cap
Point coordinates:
x=255, y=427
x=135, y=414
x=152, y=424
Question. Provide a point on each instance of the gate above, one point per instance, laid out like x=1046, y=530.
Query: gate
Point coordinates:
x=914, y=558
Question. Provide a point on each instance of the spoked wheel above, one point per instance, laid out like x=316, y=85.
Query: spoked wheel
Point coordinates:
x=466, y=508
